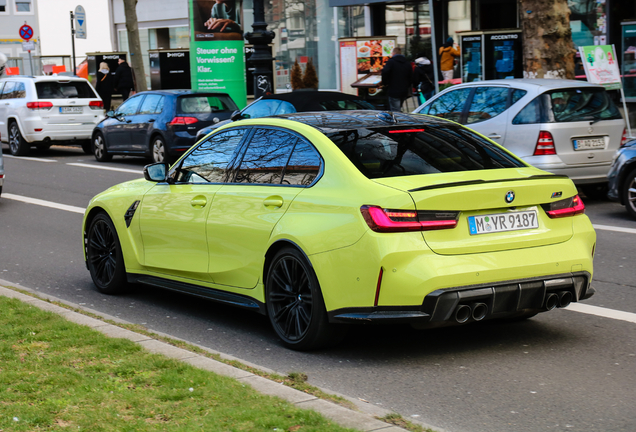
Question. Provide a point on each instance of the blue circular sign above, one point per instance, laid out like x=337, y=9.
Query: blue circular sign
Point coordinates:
x=26, y=32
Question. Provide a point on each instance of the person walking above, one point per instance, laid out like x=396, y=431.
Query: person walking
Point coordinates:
x=104, y=85
x=397, y=75
x=447, y=54
x=424, y=77
x=123, y=81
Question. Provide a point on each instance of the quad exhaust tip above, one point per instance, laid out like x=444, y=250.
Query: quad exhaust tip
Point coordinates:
x=462, y=313
x=476, y=311
x=565, y=298
x=551, y=301
x=480, y=310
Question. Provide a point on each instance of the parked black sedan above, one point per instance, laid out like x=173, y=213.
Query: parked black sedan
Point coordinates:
x=289, y=103
x=622, y=177
x=160, y=124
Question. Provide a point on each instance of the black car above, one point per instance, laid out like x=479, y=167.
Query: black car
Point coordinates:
x=160, y=124
x=293, y=102
x=622, y=177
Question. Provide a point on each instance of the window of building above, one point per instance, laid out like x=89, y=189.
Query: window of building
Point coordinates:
x=23, y=6
x=3, y=6
x=351, y=21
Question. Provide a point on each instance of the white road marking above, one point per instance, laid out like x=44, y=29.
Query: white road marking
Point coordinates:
x=43, y=203
x=29, y=158
x=106, y=168
x=613, y=228
x=602, y=312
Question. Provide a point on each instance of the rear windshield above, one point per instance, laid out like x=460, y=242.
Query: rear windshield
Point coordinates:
x=391, y=152
x=205, y=104
x=569, y=105
x=352, y=104
x=64, y=90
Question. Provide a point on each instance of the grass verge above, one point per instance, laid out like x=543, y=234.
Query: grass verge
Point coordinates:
x=57, y=375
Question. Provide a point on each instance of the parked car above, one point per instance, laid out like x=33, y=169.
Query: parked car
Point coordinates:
x=622, y=178
x=1, y=171
x=561, y=126
x=318, y=219
x=298, y=101
x=159, y=125
x=44, y=110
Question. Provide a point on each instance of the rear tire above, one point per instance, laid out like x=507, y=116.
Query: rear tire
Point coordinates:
x=99, y=148
x=104, y=256
x=158, y=150
x=17, y=145
x=295, y=305
x=629, y=193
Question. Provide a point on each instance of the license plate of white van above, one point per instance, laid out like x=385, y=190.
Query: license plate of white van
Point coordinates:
x=589, y=143
x=71, y=110
x=501, y=222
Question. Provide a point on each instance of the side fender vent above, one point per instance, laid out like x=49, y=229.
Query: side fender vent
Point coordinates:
x=130, y=213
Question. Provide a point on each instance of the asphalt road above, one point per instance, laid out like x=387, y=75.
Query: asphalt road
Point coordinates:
x=560, y=371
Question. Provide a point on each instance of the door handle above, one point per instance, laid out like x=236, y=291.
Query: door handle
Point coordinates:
x=198, y=201
x=494, y=136
x=151, y=121
x=273, y=201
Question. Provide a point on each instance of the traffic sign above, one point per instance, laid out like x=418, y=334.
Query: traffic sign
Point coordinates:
x=80, y=21
x=26, y=32
x=28, y=46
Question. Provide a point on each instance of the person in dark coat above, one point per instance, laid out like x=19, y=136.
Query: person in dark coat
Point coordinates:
x=397, y=75
x=424, y=77
x=123, y=81
x=104, y=85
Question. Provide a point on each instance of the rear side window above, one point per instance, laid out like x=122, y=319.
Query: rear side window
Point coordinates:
x=516, y=95
x=202, y=104
x=387, y=152
x=7, y=91
x=568, y=105
x=64, y=90
x=153, y=104
x=488, y=102
x=268, y=107
x=19, y=92
x=531, y=113
x=303, y=166
x=266, y=157
x=448, y=106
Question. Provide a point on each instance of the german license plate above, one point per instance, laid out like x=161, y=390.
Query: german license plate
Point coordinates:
x=71, y=110
x=589, y=143
x=501, y=222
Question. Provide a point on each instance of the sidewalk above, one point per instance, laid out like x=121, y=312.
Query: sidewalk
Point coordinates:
x=363, y=420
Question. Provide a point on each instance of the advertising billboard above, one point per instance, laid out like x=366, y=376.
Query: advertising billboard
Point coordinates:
x=601, y=66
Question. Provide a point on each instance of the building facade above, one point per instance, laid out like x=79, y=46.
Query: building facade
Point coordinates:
x=13, y=15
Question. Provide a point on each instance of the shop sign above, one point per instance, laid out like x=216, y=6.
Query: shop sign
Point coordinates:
x=601, y=66
x=217, y=56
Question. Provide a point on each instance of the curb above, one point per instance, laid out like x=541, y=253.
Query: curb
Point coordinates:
x=363, y=420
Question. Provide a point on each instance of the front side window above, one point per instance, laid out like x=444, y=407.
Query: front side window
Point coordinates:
x=448, y=106
x=266, y=156
x=488, y=102
x=64, y=90
x=212, y=160
x=152, y=104
x=130, y=106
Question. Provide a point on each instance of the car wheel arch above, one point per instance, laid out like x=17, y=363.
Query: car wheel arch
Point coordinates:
x=89, y=219
x=273, y=250
x=627, y=168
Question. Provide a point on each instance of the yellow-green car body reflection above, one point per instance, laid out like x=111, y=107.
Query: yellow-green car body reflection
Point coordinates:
x=320, y=219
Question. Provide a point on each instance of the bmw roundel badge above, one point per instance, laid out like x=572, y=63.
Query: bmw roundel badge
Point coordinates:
x=510, y=196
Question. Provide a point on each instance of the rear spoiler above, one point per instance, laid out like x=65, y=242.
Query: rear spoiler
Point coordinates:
x=474, y=182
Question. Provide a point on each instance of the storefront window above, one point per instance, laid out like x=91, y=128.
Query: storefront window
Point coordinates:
x=351, y=21
x=629, y=60
x=412, y=26
x=588, y=21
x=458, y=17
x=179, y=37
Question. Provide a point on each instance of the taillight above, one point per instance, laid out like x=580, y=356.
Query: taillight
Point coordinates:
x=624, y=138
x=386, y=220
x=96, y=105
x=182, y=121
x=545, y=144
x=39, y=105
x=563, y=208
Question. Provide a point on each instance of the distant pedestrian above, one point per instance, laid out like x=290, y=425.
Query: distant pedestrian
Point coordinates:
x=397, y=74
x=447, y=54
x=424, y=77
x=123, y=81
x=104, y=85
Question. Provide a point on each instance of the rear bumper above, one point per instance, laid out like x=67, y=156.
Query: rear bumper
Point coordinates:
x=580, y=174
x=68, y=133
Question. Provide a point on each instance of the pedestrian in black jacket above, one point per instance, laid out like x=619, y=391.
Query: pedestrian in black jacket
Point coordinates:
x=424, y=77
x=104, y=85
x=123, y=81
x=397, y=75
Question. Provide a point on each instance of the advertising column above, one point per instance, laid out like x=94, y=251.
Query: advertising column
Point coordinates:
x=502, y=57
x=217, y=56
x=471, y=64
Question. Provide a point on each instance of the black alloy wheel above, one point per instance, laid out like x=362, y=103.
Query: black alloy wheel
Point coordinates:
x=17, y=145
x=104, y=256
x=99, y=148
x=294, y=302
x=629, y=193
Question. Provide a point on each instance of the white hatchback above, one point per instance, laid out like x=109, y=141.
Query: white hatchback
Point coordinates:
x=45, y=110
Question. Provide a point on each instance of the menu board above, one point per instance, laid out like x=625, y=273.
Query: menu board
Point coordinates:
x=361, y=56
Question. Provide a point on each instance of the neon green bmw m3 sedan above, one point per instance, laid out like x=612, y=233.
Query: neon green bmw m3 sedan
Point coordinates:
x=324, y=219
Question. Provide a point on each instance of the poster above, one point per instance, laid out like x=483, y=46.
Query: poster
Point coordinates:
x=601, y=66
x=217, y=53
x=471, y=61
x=361, y=56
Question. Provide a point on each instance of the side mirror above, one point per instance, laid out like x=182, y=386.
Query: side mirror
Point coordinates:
x=156, y=172
x=236, y=115
x=110, y=114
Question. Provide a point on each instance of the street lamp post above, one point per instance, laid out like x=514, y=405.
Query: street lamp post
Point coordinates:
x=261, y=59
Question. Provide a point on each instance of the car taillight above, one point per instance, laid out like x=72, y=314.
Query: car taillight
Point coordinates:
x=96, y=105
x=386, y=220
x=564, y=208
x=545, y=144
x=39, y=105
x=182, y=121
x=624, y=138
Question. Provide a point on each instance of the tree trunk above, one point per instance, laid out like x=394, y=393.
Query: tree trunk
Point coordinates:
x=547, y=38
x=134, y=46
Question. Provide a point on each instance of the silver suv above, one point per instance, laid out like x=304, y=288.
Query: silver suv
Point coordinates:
x=561, y=126
x=45, y=110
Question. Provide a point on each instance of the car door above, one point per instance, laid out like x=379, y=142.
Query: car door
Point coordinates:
x=173, y=216
x=487, y=112
x=449, y=106
x=145, y=118
x=118, y=131
x=245, y=212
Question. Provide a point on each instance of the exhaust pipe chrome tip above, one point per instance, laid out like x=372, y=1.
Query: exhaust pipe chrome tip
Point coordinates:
x=551, y=301
x=462, y=314
x=565, y=298
x=480, y=310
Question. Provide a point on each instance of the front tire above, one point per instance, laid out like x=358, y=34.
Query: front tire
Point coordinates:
x=629, y=193
x=158, y=150
x=99, y=148
x=17, y=145
x=295, y=305
x=104, y=256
